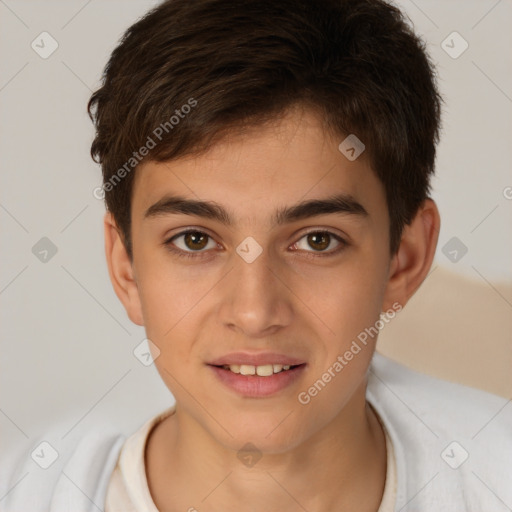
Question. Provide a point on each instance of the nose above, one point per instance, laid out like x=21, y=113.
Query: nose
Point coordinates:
x=256, y=300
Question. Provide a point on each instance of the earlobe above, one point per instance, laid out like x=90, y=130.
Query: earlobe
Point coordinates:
x=121, y=270
x=411, y=264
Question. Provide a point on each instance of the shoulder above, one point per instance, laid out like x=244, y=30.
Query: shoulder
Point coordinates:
x=451, y=439
x=57, y=472
x=448, y=404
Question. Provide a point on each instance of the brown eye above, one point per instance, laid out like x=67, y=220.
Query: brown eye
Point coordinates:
x=190, y=242
x=319, y=241
x=196, y=240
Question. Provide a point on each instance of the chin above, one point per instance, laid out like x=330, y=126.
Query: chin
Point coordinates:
x=269, y=435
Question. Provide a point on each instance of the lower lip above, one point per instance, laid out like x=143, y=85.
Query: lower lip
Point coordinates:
x=254, y=386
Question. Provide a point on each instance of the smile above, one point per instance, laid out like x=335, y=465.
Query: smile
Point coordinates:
x=259, y=381
x=264, y=370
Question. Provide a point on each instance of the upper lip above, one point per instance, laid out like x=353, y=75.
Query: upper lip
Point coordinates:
x=256, y=359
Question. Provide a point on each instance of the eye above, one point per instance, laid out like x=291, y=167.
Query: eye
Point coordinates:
x=319, y=241
x=195, y=243
x=189, y=242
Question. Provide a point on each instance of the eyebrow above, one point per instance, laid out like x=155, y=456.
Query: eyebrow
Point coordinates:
x=336, y=204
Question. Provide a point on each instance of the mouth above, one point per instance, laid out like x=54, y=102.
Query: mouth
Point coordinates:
x=257, y=381
x=264, y=370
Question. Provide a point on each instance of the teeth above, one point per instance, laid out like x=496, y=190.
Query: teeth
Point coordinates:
x=247, y=369
x=264, y=370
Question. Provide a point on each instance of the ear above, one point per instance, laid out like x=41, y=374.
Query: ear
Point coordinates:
x=120, y=269
x=410, y=265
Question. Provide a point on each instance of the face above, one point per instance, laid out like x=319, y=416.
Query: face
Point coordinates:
x=258, y=272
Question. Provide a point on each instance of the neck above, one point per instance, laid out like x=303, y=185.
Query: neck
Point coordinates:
x=340, y=467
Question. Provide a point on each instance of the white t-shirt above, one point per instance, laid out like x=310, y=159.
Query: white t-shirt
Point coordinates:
x=452, y=446
x=128, y=489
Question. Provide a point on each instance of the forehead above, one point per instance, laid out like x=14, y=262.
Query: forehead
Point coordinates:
x=287, y=161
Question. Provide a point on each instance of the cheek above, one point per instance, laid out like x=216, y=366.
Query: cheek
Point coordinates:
x=172, y=301
x=167, y=293
x=168, y=307
x=165, y=302
x=361, y=299
x=350, y=308
x=347, y=297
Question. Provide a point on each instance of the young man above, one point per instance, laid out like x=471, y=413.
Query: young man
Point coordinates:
x=266, y=173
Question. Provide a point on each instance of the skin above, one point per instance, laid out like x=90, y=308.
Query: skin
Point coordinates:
x=197, y=309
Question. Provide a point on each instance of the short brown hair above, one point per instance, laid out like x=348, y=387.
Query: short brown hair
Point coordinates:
x=356, y=62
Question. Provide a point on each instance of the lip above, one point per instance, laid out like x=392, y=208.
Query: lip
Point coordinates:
x=256, y=359
x=254, y=386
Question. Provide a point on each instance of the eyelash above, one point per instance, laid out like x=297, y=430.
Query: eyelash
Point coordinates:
x=309, y=254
